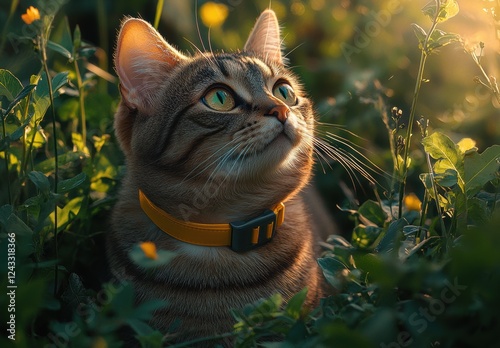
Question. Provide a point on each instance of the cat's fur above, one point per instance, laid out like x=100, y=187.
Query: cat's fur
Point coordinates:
x=212, y=167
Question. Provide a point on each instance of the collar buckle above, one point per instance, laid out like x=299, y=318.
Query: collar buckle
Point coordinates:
x=247, y=235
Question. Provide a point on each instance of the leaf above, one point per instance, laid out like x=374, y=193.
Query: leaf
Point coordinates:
x=364, y=236
x=420, y=34
x=441, y=38
x=68, y=213
x=294, y=306
x=393, y=233
x=481, y=168
x=446, y=177
x=371, y=211
x=47, y=166
x=10, y=86
x=447, y=154
x=70, y=184
x=447, y=10
x=40, y=181
x=59, y=49
x=59, y=81
x=330, y=267
x=25, y=91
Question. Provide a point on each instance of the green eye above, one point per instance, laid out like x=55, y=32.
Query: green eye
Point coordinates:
x=284, y=92
x=219, y=99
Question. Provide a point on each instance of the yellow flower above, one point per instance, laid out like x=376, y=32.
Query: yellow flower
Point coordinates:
x=149, y=249
x=213, y=14
x=412, y=202
x=32, y=14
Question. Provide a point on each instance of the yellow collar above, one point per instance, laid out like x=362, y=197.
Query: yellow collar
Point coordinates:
x=239, y=236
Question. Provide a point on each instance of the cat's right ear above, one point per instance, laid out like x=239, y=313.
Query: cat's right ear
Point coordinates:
x=143, y=60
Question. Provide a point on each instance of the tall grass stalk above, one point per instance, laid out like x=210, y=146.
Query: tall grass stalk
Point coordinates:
x=159, y=10
x=423, y=57
x=42, y=44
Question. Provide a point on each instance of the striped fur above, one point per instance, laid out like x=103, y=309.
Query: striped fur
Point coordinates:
x=207, y=166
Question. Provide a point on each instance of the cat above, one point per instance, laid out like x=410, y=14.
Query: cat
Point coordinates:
x=210, y=140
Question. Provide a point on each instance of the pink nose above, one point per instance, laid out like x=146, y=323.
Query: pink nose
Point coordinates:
x=280, y=112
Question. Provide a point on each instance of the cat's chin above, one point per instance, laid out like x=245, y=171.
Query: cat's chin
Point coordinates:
x=279, y=153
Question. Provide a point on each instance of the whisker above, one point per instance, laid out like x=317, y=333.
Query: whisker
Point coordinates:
x=198, y=24
x=188, y=176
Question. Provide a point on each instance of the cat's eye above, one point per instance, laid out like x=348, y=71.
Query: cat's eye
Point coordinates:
x=284, y=92
x=219, y=99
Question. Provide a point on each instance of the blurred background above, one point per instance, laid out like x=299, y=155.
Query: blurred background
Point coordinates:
x=357, y=60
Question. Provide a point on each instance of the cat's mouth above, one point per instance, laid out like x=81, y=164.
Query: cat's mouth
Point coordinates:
x=277, y=146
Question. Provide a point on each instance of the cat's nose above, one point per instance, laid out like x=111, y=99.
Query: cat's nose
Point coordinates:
x=280, y=112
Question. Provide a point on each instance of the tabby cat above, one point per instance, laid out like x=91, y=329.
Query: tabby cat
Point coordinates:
x=211, y=141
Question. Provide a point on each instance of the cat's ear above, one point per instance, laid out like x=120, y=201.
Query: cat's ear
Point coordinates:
x=143, y=60
x=264, y=38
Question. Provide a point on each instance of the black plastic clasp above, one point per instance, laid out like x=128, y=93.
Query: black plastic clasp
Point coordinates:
x=247, y=235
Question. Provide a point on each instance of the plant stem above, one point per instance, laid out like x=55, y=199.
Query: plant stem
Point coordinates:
x=411, y=119
x=56, y=159
x=436, y=195
x=6, y=158
x=81, y=96
x=159, y=9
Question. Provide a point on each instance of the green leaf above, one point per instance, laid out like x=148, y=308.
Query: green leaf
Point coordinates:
x=294, y=306
x=47, y=166
x=59, y=49
x=77, y=38
x=392, y=235
x=447, y=154
x=16, y=225
x=330, y=267
x=447, y=9
x=68, y=213
x=10, y=86
x=446, y=177
x=40, y=181
x=364, y=236
x=441, y=38
x=372, y=211
x=59, y=81
x=481, y=168
x=25, y=91
x=70, y=184
x=420, y=34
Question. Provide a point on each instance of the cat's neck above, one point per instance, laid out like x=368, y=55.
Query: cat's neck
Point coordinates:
x=216, y=204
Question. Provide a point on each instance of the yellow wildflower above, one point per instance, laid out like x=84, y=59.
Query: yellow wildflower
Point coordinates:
x=412, y=202
x=213, y=14
x=149, y=249
x=32, y=14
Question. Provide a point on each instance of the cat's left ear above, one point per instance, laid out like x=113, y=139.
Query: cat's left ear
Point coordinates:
x=264, y=39
x=143, y=61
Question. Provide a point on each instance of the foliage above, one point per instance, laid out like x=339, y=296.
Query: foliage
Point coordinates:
x=413, y=273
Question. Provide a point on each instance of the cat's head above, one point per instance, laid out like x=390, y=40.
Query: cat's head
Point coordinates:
x=238, y=120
